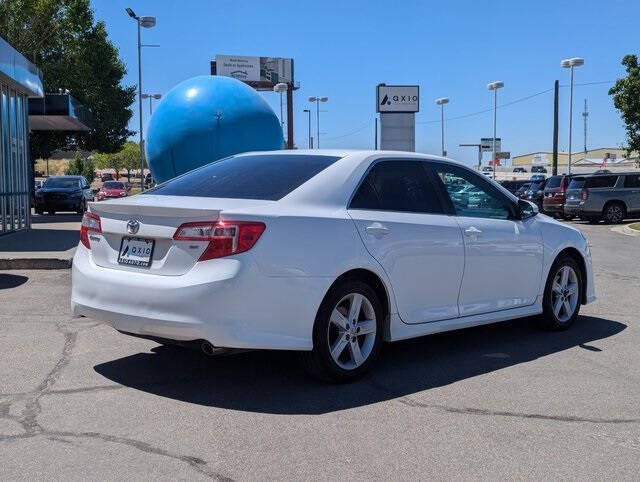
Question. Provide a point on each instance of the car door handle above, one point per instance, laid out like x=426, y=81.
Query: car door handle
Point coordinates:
x=472, y=231
x=378, y=230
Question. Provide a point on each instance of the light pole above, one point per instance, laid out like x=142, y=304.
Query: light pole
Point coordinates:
x=151, y=97
x=281, y=87
x=570, y=64
x=441, y=102
x=498, y=84
x=308, y=111
x=146, y=22
x=317, y=100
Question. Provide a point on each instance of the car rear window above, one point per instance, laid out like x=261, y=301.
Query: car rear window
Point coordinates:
x=553, y=182
x=113, y=185
x=632, y=180
x=600, y=181
x=268, y=177
x=577, y=183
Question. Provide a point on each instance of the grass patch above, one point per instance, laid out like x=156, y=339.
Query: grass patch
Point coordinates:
x=635, y=226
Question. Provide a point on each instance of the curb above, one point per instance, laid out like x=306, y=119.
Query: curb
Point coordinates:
x=35, y=263
x=630, y=231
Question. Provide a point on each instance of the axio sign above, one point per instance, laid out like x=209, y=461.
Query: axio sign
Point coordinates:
x=398, y=98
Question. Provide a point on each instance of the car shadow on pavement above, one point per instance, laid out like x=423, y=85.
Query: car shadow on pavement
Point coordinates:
x=56, y=218
x=273, y=382
x=8, y=281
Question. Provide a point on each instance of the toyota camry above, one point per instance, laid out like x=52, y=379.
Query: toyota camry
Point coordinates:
x=330, y=253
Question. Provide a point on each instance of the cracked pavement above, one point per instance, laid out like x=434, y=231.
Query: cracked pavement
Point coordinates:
x=79, y=400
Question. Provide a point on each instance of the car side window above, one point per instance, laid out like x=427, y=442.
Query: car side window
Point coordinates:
x=632, y=180
x=397, y=186
x=471, y=195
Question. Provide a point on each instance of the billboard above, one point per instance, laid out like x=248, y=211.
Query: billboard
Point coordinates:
x=486, y=144
x=398, y=98
x=259, y=72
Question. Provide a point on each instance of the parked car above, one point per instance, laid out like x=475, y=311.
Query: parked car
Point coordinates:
x=539, y=169
x=148, y=180
x=611, y=197
x=107, y=176
x=519, y=169
x=513, y=186
x=364, y=247
x=534, y=194
x=554, y=195
x=112, y=189
x=487, y=169
x=538, y=178
x=63, y=193
x=521, y=192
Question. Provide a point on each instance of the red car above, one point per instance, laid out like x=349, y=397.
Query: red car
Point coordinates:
x=554, y=195
x=112, y=189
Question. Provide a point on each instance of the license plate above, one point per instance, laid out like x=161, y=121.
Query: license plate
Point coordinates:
x=136, y=252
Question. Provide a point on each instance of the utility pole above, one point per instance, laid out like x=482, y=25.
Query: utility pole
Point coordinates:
x=585, y=114
x=554, y=162
x=375, y=144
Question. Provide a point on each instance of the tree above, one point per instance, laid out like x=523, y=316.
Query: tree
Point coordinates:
x=73, y=52
x=130, y=154
x=82, y=165
x=109, y=161
x=626, y=98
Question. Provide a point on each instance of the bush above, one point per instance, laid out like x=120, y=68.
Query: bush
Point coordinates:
x=81, y=166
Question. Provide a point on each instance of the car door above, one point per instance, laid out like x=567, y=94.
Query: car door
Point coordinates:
x=503, y=255
x=400, y=218
x=632, y=190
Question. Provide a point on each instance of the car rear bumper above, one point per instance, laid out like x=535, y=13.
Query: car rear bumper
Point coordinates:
x=227, y=302
x=556, y=208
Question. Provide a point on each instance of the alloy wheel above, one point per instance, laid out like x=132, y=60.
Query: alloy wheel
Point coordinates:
x=564, y=293
x=614, y=214
x=351, y=333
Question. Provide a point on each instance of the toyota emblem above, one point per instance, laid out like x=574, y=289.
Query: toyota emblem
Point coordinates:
x=133, y=226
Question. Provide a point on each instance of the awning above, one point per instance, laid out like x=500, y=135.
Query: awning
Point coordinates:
x=58, y=112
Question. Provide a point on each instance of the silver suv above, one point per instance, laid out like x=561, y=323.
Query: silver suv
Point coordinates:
x=611, y=197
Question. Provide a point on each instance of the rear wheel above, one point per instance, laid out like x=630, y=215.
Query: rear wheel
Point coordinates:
x=562, y=295
x=347, y=333
x=614, y=213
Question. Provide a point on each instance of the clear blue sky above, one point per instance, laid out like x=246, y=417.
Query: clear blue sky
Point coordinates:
x=342, y=49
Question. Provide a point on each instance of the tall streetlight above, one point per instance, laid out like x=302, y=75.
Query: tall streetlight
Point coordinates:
x=317, y=100
x=441, y=102
x=146, y=22
x=570, y=64
x=151, y=97
x=308, y=111
x=498, y=84
x=281, y=87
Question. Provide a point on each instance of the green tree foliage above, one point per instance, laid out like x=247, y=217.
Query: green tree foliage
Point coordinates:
x=74, y=53
x=82, y=165
x=127, y=158
x=626, y=98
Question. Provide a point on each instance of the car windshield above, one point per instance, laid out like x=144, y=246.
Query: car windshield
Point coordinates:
x=113, y=185
x=554, y=181
x=576, y=183
x=535, y=186
x=62, y=182
x=268, y=177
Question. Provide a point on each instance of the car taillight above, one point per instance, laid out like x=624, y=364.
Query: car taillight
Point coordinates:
x=90, y=224
x=225, y=237
x=584, y=194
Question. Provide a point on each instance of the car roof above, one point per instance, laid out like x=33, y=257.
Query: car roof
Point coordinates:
x=65, y=177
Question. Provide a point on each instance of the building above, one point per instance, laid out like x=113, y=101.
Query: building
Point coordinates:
x=19, y=79
x=545, y=158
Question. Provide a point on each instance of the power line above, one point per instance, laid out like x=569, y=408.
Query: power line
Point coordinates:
x=367, y=124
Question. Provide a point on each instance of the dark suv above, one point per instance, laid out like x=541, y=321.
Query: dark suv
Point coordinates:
x=611, y=197
x=554, y=195
x=63, y=193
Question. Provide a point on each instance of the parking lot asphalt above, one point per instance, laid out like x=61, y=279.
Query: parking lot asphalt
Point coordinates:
x=80, y=401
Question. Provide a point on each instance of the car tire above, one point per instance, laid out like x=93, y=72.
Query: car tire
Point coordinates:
x=562, y=295
x=342, y=350
x=614, y=213
x=39, y=211
x=593, y=219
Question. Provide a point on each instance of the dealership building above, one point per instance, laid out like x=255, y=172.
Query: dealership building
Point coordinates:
x=614, y=157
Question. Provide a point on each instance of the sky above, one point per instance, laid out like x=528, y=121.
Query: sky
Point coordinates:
x=343, y=49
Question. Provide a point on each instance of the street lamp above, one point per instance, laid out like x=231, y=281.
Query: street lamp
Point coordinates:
x=146, y=22
x=570, y=64
x=317, y=100
x=308, y=111
x=151, y=97
x=281, y=87
x=498, y=84
x=441, y=102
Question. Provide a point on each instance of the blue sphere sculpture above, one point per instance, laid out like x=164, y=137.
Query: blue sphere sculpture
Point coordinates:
x=207, y=118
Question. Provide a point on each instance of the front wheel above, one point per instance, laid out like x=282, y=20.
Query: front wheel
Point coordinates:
x=614, y=213
x=347, y=333
x=562, y=295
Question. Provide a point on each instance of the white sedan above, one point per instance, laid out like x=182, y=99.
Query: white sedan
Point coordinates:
x=330, y=253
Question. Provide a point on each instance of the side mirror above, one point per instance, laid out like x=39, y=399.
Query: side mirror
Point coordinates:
x=527, y=209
